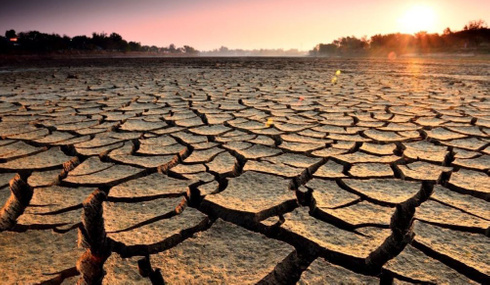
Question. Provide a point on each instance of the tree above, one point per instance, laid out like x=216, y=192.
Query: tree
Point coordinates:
x=324, y=49
x=475, y=25
x=100, y=40
x=134, y=46
x=116, y=37
x=223, y=49
x=116, y=42
x=190, y=50
x=171, y=48
x=10, y=34
x=37, y=42
x=153, y=48
x=80, y=43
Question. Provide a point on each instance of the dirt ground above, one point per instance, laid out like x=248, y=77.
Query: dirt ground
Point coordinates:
x=246, y=170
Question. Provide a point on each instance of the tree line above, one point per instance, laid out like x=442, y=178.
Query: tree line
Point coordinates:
x=224, y=51
x=474, y=37
x=37, y=42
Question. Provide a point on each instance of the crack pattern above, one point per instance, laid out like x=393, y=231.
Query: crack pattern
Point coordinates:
x=227, y=166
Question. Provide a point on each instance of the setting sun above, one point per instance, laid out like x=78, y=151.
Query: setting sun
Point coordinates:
x=418, y=18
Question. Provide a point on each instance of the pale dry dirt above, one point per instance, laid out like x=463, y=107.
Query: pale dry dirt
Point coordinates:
x=251, y=170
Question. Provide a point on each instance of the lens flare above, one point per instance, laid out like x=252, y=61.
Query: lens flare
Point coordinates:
x=269, y=122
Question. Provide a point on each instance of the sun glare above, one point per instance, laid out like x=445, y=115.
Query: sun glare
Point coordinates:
x=417, y=18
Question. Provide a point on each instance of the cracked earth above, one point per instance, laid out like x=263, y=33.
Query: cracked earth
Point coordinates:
x=245, y=171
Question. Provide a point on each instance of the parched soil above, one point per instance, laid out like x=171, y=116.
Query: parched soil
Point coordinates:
x=245, y=171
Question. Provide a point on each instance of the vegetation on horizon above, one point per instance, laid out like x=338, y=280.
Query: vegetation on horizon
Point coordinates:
x=475, y=37
x=224, y=51
x=37, y=42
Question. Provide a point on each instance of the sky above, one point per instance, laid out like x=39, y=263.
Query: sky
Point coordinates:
x=244, y=24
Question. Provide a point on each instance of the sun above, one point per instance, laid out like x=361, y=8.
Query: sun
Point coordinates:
x=417, y=18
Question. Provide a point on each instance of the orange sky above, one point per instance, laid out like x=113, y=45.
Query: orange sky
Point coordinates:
x=251, y=24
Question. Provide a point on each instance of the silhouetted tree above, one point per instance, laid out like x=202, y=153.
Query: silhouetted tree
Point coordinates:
x=115, y=37
x=475, y=25
x=99, y=40
x=134, y=46
x=474, y=36
x=10, y=34
x=37, y=42
x=81, y=43
x=327, y=49
x=5, y=45
x=398, y=43
x=190, y=50
x=153, y=49
x=171, y=48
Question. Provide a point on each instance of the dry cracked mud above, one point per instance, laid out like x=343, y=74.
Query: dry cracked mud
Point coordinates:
x=245, y=171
